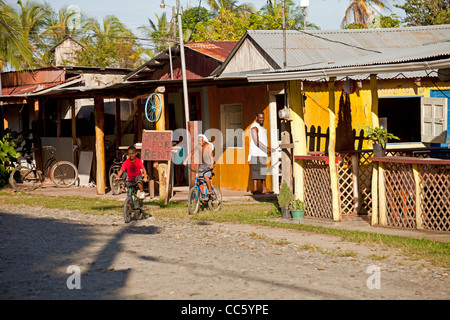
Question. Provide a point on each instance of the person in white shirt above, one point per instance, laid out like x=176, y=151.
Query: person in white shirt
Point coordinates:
x=258, y=154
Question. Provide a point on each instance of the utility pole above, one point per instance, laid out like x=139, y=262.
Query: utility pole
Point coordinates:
x=183, y=66
x=284, y=35
x=304, y=4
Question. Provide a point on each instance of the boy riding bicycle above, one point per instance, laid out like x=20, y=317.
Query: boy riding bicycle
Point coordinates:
x=134, y=168
x=206, y=161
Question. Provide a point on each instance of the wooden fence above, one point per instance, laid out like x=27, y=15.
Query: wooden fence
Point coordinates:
x=401, y=207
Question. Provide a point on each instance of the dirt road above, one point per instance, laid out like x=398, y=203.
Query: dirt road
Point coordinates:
x=42, y=249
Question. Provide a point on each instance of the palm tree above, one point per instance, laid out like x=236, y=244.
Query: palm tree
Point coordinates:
x=161, y=30
x=109, y=44
x=294, y=14
x=14, y=45
x=230, y=5
x=32, y=18
x=361, y=10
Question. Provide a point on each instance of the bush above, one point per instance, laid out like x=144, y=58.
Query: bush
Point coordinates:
x=8, y=154
x=297, y=205
x=285, y=195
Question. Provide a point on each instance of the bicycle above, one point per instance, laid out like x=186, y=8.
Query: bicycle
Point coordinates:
x=196, y=195
x=117, y=186
x=132, y=203
x=62, y=173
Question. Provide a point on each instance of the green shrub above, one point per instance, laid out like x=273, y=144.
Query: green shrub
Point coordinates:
x=285, y=195
x=8, y=154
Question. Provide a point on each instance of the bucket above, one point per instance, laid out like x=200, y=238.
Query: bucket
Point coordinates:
x=297, y=214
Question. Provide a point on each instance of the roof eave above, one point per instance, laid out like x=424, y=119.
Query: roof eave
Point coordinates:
x=349, y=71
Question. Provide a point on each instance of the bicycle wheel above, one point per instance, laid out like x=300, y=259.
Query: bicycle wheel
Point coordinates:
x=64, y=174
x=23, y=179
x=193, y=200
x=114, y=184
x=215, y=203
x=127, y=209
x=153, y=108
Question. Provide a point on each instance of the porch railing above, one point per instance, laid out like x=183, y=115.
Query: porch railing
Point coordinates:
x=355, y=171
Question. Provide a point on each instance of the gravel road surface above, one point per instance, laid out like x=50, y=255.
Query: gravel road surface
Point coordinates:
x=41, y=251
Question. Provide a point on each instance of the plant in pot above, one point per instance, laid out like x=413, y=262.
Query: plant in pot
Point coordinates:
x=379, y=137
x=297, y=209
x=284, y=200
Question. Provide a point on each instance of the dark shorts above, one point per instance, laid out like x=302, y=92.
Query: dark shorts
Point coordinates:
x=259, y=168
x=202, y=170
x=138, y=179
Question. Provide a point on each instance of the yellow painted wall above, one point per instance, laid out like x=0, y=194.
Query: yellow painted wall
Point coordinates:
x=316, y=110
x=237, y=176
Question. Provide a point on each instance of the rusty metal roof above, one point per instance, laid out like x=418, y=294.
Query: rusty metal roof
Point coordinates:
x=214, y=49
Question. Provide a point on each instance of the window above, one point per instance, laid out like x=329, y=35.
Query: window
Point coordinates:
x=434, y=120
x=231, y=123
x=415, y=119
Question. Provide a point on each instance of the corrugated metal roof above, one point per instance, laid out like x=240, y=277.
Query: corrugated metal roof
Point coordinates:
x=214, y=49
x=392, y=55
x=308, y=47
x=31, y=88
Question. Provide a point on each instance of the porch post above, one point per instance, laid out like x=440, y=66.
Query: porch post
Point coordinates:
x=37, y=134
x=332, y=150
x=118, y=124
x=74, y=128
x=99, y=116
x=161, y=123
x=295, y=96
x=138, y=103
x=378, y=190
x=374, y=93
x=58, y=117
x=163, y=167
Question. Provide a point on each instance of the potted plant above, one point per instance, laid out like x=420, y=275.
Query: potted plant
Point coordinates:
x=284, y=199
x=379, y=137
x=297, y=209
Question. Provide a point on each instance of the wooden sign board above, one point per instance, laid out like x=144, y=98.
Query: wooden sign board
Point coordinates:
x=156, y=145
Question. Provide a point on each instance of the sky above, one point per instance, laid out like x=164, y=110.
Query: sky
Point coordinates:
x=327, y=14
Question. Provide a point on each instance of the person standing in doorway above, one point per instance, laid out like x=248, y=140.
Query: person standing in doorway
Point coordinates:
x=258, y=154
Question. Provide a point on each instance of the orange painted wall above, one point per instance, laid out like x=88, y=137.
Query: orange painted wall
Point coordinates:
x=253, y=99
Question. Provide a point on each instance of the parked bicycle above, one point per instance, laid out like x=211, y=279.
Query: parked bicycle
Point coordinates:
x=62, y=173
x=197, y=196
x=133, y=205
x=117, y=186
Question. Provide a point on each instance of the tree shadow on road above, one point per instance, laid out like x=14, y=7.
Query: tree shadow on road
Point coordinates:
x=36, y=253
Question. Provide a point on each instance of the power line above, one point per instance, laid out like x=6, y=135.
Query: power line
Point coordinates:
x=305, y=32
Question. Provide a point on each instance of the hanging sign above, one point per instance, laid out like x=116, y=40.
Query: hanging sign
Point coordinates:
x=156, y=145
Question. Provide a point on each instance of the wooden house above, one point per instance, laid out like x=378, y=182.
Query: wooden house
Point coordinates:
x=401, y=88
x=402, y=94
x=66, y=52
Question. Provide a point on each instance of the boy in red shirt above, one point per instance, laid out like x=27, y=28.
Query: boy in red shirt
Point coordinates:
x=134, y=168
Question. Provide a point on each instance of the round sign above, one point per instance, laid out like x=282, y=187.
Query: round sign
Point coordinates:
x=349, y=86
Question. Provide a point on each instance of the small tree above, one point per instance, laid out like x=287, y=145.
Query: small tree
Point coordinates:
x=284, y=199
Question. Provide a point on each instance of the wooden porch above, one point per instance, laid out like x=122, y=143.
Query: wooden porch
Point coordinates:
x=409, y=188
